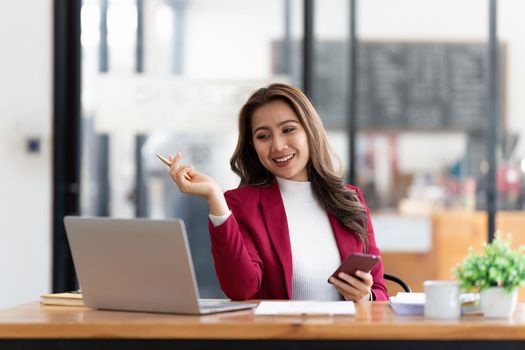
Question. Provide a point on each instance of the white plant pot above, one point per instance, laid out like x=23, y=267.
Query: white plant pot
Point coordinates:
x=496, y=303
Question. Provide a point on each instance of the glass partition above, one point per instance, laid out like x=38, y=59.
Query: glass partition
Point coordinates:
x=201, y=59
x=422, y=85
x=422, y=82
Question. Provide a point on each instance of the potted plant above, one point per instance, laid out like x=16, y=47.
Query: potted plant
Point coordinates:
x=496, y=273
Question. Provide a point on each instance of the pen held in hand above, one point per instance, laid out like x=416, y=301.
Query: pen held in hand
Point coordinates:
x=168, y=163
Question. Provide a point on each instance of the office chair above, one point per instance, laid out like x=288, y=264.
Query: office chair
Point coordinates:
x=399, y=281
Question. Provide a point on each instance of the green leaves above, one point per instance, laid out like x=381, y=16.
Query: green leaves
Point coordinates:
x=498, y=265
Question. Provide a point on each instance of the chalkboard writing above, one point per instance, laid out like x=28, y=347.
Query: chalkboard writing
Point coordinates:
x=401, y=85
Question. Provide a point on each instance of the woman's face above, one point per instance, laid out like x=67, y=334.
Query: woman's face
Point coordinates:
x=280, y=141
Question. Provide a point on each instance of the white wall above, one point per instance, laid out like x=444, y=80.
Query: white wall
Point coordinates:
x=25, y=178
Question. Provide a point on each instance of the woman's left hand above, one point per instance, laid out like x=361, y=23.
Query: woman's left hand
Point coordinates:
x=353, y=288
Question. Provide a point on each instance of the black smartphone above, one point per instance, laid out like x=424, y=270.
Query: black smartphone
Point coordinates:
x=357, y=261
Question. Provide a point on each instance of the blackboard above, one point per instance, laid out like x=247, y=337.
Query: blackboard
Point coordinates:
x=401, y=85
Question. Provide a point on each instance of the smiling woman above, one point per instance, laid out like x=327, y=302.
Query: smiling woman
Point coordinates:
x=292, y=221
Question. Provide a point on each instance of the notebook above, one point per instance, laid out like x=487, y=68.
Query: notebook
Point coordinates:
x=73, y=298
x=138, y=265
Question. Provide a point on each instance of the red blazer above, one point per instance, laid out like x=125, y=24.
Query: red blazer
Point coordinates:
x=252, y=253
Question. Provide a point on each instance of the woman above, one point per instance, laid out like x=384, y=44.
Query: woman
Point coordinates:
x=291, y=222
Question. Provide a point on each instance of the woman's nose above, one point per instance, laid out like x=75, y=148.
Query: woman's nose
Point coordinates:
x=279, y=144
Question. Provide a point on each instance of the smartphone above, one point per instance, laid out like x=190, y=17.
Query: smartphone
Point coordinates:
x=357, y=261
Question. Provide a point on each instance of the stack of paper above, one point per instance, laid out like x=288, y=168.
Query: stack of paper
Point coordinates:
x=305, y=308
x=408, y=303
x=414, y=304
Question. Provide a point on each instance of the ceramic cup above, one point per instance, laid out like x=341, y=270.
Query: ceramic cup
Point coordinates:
x=442, y=300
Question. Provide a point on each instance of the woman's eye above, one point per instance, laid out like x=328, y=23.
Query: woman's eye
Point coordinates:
x=289, y=129
x=262, y=136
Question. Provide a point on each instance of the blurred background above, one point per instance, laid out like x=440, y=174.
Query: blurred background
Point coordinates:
x=171, y=75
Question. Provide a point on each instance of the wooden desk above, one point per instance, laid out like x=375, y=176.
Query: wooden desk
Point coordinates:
x=375, y=326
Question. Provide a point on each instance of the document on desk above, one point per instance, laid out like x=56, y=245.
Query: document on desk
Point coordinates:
x=414, y=303
x=300, y=307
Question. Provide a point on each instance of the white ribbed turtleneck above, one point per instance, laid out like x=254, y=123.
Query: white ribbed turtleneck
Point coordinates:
x=315, y=255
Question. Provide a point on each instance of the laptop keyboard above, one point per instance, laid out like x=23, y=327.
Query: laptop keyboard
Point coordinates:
x=209, y=303
x=212, y=305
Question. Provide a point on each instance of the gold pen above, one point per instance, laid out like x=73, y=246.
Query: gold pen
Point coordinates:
x=168, y=163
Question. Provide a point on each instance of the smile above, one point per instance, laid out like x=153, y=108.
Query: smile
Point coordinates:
x=284, y=159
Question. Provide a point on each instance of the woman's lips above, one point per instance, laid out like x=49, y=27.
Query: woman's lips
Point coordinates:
x=283, y=161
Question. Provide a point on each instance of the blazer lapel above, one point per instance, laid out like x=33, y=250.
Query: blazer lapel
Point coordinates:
x=274, y=215
x=345, y=239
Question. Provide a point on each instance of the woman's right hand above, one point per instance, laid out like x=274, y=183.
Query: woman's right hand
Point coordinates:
x=200, y=184
x=190, y=181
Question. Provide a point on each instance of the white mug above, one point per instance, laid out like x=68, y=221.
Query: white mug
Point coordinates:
x=442, y=300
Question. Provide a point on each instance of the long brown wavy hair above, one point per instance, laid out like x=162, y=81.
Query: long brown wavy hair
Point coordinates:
x=327, y=185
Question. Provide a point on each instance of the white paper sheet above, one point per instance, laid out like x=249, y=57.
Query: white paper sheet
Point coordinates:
x=305, y=308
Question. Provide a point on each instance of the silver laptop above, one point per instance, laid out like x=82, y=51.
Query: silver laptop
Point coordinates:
x=138, y=265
